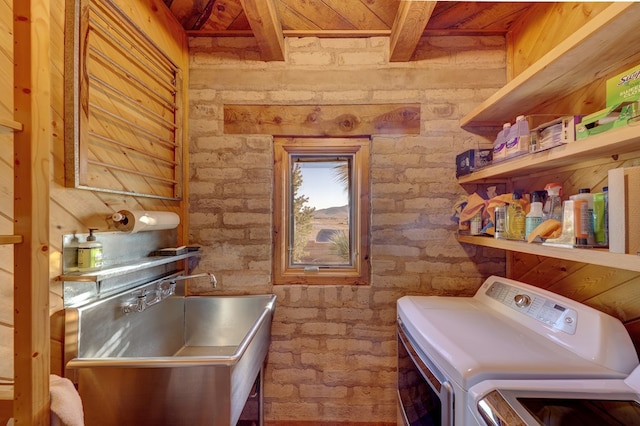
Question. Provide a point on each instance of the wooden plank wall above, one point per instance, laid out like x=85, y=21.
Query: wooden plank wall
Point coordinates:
x=75, y=210
x=608, y=289
x=543, y=26
x=71, y=210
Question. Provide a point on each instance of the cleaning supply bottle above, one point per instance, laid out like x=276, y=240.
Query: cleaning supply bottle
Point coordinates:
x=584, y=216
x=500, y=219
x=90, y=254
x=515, y=218
x=534, y=217
x=519, y=138
x=605, y=190
x=599, y=219
x=499, y=145
x=553, y=207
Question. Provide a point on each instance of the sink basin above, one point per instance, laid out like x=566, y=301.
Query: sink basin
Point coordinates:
x=184, y=361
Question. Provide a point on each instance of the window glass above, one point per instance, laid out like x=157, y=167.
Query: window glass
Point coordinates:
x=319, y=197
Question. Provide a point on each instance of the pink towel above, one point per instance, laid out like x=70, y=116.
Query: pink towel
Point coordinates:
x=66, y=405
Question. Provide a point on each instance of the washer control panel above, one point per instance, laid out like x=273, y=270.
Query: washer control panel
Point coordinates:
x=535, y=306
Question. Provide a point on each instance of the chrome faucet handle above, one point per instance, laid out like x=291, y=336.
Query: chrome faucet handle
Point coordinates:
x=213, y=279
x=141, y=302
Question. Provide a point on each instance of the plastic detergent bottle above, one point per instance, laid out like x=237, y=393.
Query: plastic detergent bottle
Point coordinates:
x=553, y=207
x=515, y=218
x=584, y=216
x=517, y=142
x=534, y=217
x=499, y=145
x=600, y=218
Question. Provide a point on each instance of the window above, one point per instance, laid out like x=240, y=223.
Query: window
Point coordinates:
x=321, y=211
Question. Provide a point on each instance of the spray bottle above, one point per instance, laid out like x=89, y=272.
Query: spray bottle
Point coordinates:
x=553, y=207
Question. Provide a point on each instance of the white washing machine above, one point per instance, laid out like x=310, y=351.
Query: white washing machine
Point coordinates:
x=507, y=331
x=584, y=402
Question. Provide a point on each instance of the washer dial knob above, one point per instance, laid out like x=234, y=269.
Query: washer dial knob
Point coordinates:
x=522, y=300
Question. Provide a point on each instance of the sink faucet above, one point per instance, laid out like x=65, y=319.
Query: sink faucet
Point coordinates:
x=212, y=278
x=141, y=302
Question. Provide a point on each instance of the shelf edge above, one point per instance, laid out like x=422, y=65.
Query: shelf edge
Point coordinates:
x=594, y=256
x=10, y=239
x=10, y=125
x=116, y=271
x=617, y=141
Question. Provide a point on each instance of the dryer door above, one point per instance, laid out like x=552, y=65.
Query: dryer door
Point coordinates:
x=521, y=408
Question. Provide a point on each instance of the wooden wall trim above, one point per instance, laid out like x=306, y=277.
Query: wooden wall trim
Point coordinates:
x=322, y=120
x=32, y=102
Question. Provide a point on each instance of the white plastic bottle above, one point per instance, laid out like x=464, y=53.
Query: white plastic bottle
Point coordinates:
x=534, y=217
x=499, y=145
x=517, y=142
x=90, y=254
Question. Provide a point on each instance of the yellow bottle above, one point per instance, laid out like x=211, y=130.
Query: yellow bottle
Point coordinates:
x=90, y=254
x=516, y=218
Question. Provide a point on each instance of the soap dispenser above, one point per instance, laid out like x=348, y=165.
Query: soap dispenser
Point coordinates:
x=90, y=254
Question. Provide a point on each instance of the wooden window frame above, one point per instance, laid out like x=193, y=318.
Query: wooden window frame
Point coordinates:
x=284, y=150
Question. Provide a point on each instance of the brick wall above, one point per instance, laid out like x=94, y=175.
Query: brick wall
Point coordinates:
x=332, y=358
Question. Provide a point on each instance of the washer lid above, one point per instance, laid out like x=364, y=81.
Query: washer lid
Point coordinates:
x=471, y=343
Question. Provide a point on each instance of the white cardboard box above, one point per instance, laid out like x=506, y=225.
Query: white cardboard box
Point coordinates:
x=624, y=210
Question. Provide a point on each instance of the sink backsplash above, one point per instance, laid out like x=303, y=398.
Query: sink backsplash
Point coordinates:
x=126, y=264
x=117, y=247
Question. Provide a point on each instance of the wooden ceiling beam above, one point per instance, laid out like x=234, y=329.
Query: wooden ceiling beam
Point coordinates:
x=408, y=26
x=266, y=27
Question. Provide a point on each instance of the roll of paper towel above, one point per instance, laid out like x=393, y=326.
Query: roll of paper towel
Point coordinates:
x=140, y=220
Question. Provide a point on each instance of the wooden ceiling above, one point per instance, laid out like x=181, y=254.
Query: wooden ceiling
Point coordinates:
x=404, y=21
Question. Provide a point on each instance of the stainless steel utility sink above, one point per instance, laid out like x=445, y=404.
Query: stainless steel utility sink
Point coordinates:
x=183, y=361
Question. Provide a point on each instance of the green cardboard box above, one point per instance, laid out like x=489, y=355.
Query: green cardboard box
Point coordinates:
x=624, y=87
x=609, y=118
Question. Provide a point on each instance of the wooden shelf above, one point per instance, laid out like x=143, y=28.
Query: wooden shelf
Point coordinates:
x=6, y=400
x=9, y=125
x=618, y=141
x=594, y=51
x=594, y=256
x=10, y=239
x=6, y=392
